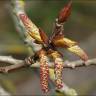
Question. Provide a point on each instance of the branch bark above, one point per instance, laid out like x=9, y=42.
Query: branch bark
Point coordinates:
x=16, y=63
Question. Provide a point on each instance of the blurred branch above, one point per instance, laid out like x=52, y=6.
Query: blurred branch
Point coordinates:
x=16, y=63
x=4, y=92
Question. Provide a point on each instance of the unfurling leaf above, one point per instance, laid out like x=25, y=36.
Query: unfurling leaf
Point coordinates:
x=78, y=51
x=31, y=28
x=64, y=13
x=63, y=42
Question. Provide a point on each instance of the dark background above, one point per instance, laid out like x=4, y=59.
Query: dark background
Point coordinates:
x=81, y=27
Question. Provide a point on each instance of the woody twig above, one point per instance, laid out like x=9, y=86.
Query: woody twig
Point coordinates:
x=21, y=63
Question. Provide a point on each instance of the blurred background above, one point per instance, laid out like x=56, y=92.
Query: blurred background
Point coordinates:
x=80, y=27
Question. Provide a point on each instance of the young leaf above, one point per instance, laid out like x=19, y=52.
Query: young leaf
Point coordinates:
x=78, y=51
x=30, y=27
x=63, y=42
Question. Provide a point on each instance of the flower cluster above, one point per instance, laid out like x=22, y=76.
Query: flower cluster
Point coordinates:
x=49, y=46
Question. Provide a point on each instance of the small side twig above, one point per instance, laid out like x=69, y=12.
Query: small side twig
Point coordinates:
x=79, y=63
x=10, y=60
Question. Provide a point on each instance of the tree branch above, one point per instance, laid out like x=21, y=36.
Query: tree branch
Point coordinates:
x=16, y=63
x=23, y=26
x=79, y=63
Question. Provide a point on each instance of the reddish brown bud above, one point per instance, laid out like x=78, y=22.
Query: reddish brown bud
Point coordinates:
x=64, y=13
x=43, y=36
